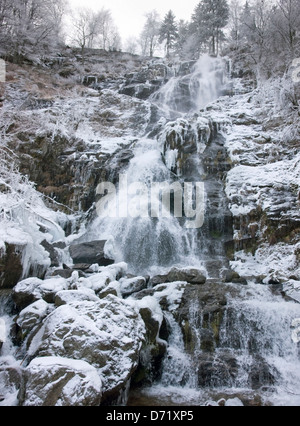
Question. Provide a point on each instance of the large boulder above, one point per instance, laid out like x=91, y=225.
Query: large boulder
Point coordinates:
x=33, y=315
x=54, y=381
x=91, y=253
x=189, y=275
x=108, y=334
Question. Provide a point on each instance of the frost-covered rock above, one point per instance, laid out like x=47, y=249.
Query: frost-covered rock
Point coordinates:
x=107, y=334
x=33, y=315
x=32, y=289
x=234, y=402
x=99, y=281
x=55, y=382
x=65, y=297
x=181, y=138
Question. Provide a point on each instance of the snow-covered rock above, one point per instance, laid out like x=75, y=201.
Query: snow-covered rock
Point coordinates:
x=32, y=289
x=65, y=297
x=103, y=278
x=107, y=334
x=234, y=402
x=33, y=315
x=129, y=286
x=55, y=381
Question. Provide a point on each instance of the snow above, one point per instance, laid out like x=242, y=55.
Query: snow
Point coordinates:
x=103, y=278
x=107, y=333
x=269, y=262
x=33, y=314
x=173, y=293
x=22, y=214
x=234, y=402
x=70, y=382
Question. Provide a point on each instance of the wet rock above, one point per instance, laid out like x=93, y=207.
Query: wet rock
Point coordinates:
x=153, y=351
x=129, y=286
x=158, y=279
x=90, y=253
x=63, y=273
x=260, y=374
x=209, y=301
x=52, y=252
x=189, y=275
x=113, y=288
x=54, y=381
x=216, y=370
x=233, y=277
x=81, y=266
x=11, y=267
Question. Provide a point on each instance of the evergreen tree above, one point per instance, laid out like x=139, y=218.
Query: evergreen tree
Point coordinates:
x=209, y=18
x=169, y=32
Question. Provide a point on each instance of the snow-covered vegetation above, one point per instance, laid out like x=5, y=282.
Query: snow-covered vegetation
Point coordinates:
x=92, y=308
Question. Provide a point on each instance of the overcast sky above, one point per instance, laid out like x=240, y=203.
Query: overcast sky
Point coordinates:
x=129, y=14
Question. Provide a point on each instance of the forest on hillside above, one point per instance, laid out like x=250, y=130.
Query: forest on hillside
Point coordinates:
x=263, y=34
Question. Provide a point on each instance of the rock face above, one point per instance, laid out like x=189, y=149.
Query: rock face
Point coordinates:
x=90, y=253
x=56, y=382
x=11, y=267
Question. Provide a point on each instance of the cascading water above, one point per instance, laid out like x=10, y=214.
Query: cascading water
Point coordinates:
x=147, y=242
x=245, y=347
x=191, y=90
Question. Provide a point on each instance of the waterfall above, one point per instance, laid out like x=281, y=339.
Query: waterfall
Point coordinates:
x=192, y=91
x=146, y=242
x=151, y=241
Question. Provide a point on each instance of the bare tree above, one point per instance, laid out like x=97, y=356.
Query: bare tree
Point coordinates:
x=131, y=45
x=95, y=30
x=149, y=39
x=286, y=21
x=30, y=26
x=85, y=26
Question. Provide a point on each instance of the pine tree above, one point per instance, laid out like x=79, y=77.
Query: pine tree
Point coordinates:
x=169, y=32
x=209, y=18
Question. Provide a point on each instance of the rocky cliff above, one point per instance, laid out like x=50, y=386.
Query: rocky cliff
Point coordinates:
x=212, y=311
